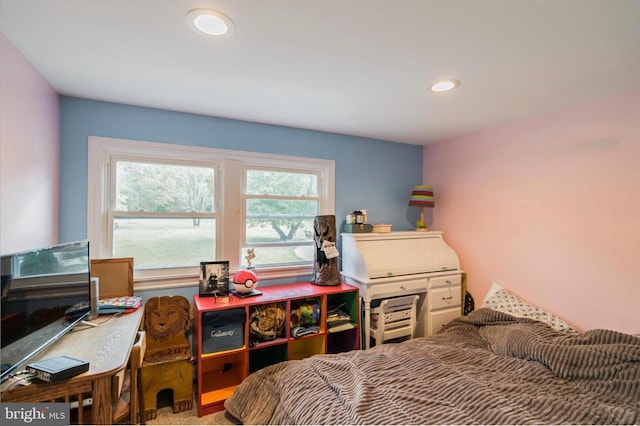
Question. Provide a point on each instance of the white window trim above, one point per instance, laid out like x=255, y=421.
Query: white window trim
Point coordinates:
x=231, y=213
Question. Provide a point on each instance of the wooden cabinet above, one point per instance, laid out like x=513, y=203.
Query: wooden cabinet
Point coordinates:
x=220, y=372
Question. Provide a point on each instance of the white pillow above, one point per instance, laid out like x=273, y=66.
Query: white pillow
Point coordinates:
x=495, y=287
x=501, y=299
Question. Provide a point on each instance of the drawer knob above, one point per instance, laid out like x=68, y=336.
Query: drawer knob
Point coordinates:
x=449, y=282
x=447, y=298
x=403, y=288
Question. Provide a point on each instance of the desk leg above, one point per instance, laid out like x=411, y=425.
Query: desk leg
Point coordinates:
x=101, y=394
x=367, y=322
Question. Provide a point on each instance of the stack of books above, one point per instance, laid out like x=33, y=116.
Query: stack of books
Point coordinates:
x=123, y=304
x=338, y=320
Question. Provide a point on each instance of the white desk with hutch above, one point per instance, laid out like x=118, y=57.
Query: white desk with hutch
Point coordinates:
x=386, y=265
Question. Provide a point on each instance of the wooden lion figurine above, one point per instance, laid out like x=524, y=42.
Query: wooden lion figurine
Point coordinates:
x=167, y=360
x=166, y=321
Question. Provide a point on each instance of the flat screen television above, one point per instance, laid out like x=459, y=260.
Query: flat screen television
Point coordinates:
x=38, y=287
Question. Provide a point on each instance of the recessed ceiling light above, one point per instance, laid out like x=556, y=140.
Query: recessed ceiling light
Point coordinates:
x=210, y=22
x=444, y=85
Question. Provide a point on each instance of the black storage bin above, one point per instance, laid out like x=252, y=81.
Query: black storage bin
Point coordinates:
x=223, y=330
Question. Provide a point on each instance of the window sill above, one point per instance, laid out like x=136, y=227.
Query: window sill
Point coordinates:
x=299, y=273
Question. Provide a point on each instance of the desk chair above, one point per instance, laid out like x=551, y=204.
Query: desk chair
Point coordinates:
x=129, y=408
x=126, y=407
x=394, y=318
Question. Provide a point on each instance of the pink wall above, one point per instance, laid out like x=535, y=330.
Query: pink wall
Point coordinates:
x=29, y=154
x=549, y=207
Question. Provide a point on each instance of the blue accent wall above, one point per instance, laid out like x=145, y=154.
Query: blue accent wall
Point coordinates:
x=370, y=174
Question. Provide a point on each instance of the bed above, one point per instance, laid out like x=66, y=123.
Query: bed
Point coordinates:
x=485, y=368
x=489, y=367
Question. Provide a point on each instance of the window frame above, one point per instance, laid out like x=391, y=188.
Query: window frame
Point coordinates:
x=229, y=207
x=245, y=197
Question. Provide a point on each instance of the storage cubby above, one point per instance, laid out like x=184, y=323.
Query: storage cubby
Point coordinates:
x=343, y=341
x=268, y=355
x=305, y=313
x=305, y=347
x=267, y=323
x=343, y=311
x=266, y=336
x=220, y=377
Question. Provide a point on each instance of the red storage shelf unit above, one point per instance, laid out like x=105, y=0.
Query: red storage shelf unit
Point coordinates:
x=307, y=320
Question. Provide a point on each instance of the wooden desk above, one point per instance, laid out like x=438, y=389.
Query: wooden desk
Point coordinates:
x=393, y=264
x=106, y=347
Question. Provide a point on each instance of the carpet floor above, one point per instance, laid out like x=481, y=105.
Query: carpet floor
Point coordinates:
x=166, y=416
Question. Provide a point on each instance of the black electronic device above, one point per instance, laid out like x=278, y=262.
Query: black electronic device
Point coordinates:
x=57, y=368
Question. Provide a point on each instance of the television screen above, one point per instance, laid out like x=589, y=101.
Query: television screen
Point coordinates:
x=38, y=286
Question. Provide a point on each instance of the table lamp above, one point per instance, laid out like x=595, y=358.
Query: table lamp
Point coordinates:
x=421, y=196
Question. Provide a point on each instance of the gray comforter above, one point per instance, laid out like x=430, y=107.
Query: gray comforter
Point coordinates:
x=486, y=368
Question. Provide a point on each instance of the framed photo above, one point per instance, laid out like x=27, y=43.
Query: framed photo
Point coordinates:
x=214, y=278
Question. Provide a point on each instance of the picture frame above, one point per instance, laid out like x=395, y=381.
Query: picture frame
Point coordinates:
x=214, y=278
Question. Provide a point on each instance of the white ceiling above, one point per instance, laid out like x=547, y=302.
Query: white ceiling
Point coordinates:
x=356, y=67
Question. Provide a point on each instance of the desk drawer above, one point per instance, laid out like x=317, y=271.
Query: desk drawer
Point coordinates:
x=439, y=319
x=400, y=288
x=445, y=297
x=446, y=281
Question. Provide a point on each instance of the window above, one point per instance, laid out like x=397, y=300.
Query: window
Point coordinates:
x=171, y=207
x=164, y=213
x=279, y=209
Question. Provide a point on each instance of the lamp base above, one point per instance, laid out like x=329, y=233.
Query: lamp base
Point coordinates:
x=421, y=229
